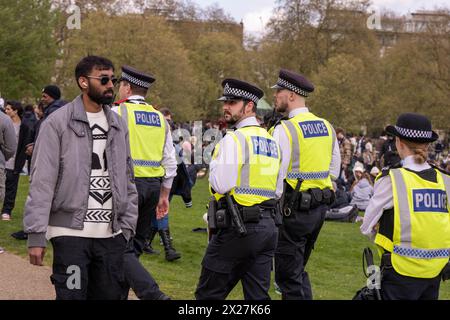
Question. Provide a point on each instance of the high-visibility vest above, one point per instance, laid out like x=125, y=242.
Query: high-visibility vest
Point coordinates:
x=147, y=134
x=259, y=164
x=421, y=239
x=311, y=139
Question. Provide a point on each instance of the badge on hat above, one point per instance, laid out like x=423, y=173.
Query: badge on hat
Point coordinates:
x=137, y=77
x=234, y=89
x=294, y=82
x=413, y=127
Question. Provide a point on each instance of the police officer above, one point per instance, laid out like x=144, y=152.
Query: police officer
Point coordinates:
x=310, y=160
x=409, y=215
x=243, y=176
x=155, y=165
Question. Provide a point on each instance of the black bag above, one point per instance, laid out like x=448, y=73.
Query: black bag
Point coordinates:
x=365, y=293
x=345, y=214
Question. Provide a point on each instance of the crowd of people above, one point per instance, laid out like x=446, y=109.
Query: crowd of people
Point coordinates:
x=363, y=159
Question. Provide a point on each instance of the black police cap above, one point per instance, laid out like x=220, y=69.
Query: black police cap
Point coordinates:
x=234, y=89
x=413, y=127
x=294, y=82
x=137, y=77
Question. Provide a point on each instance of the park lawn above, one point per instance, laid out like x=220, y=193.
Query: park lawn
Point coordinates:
x=335, y=267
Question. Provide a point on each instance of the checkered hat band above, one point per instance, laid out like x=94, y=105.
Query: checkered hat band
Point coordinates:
x=228, y=91
x=286, y=84
x=410, y=133
x=135, y=81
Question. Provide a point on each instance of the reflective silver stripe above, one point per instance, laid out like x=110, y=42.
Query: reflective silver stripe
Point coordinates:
x=295, y=152
x=124, y=112
x=245, y=170
x=256, y=192
x=421, y=253
x=146, y=163
x=446, y=179
x=308, y=175
x=403, y=205
x=334, y=138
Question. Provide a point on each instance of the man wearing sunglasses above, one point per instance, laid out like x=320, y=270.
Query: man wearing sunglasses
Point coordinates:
x=155, y=167
x=82, y=194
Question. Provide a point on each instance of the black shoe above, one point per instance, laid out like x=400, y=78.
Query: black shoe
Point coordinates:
x=148, y=249
x=20, y=235
x=171, y=253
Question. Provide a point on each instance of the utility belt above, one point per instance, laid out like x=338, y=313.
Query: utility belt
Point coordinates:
x=307, y=200
x=220, y=216
x=386, y=262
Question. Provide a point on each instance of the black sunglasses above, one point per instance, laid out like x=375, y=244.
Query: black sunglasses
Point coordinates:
x=105, y=79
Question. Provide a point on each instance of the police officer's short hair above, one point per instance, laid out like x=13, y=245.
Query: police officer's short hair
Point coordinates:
x=136, y=89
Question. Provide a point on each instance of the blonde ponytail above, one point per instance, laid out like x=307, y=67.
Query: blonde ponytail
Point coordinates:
x=420, y=151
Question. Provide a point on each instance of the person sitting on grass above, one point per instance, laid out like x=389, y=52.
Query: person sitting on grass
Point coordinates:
x=362, y=189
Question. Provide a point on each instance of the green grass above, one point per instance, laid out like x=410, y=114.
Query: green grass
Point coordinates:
x=335, y=266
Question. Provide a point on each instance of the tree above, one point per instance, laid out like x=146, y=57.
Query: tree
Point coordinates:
x=27, y=47
x=345, y=92
x=217, y=56
x=309, y=32
x=146, y=43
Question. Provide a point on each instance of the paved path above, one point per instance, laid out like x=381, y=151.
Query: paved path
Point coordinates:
x=19, y=280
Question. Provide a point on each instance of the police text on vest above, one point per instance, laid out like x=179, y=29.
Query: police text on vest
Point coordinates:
x=265, y=147
x=314, y=129
x=430, y=200
x=150, y=119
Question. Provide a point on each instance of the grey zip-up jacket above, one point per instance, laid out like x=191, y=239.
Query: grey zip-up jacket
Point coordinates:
x=8, y=142
x=61, y=169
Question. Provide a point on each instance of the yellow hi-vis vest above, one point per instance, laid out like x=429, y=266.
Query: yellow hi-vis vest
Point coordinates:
x=147, y=134
x=312, y=140
x=259, y=164
x=421, y=240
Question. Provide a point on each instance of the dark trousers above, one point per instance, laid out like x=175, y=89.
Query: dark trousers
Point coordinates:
x=230, y=258
x=11, y=184
x=297, y=237
x=395, y=286
x=87, y=268
x=137, y=277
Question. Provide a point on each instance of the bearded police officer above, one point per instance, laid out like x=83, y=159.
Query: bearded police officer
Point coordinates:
x=409, y=216
x=155, y=165
x=310, y=159
x=243, y=180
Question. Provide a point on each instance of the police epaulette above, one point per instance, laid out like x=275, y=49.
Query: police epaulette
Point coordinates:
x=385, y=170
x=439, y=168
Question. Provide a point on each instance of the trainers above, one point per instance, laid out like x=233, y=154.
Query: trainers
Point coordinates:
x=188, y=204
x=1, y=250
x=6, y=217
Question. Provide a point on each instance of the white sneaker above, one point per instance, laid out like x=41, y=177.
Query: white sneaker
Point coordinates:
x=6, y=217
x=1, y=250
